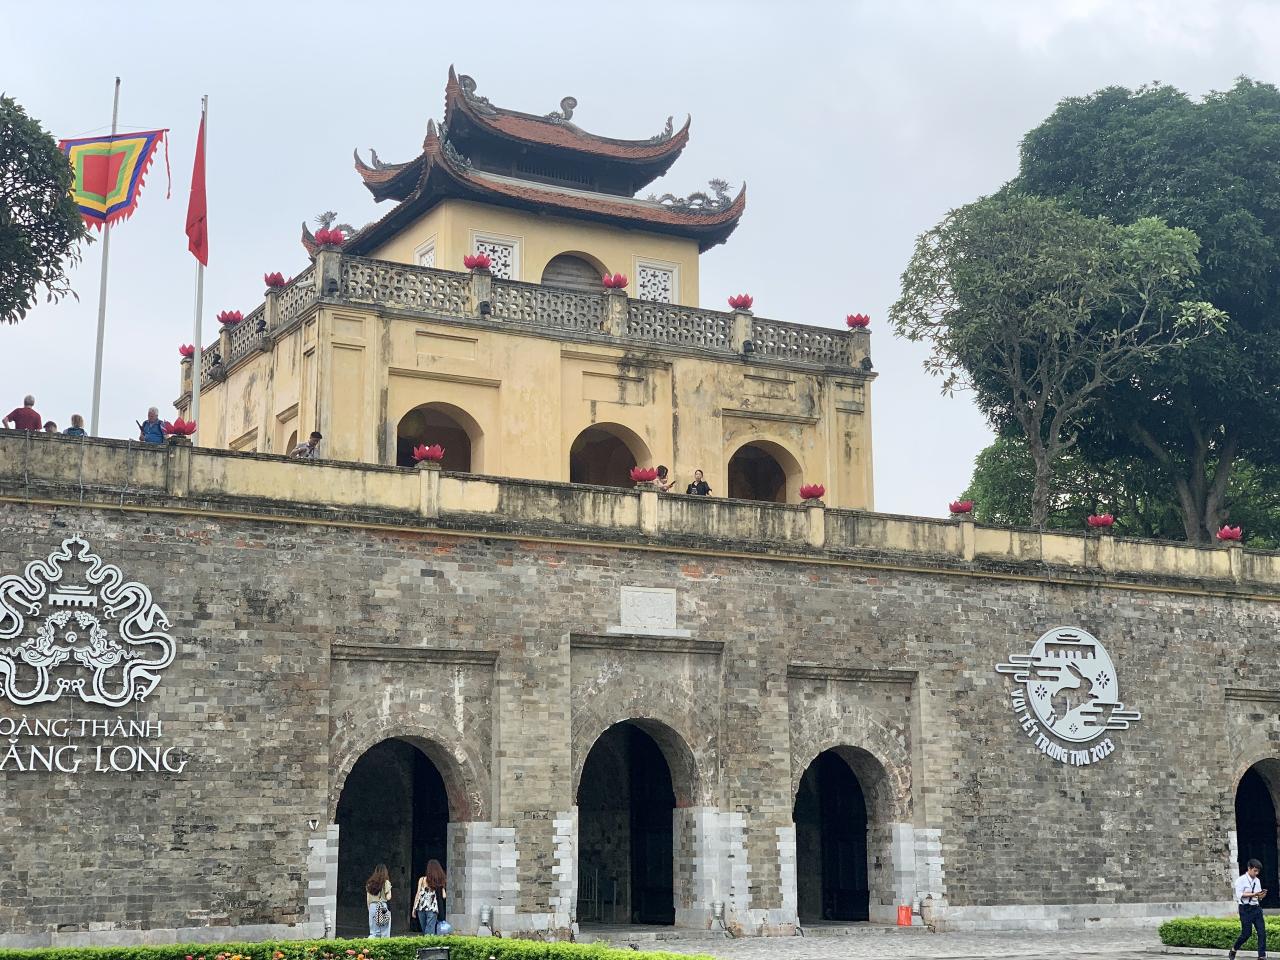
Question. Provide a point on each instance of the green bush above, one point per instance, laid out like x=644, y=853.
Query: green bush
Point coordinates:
x=386, y=948
x=1217, y=932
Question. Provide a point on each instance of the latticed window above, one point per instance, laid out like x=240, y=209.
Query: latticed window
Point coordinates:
x=427, y=254
x=656, y=283
x=502, y=253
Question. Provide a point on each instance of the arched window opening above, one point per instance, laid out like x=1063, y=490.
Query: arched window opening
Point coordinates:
x=290, y=443
x=573, y=272
x=446, y=425
x=760, y=471
x=394, y=810
x=626, y=806
x=1256, y=833
x=604, y=454
x=832, y=882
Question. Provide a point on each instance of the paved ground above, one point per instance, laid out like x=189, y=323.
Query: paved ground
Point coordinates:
x=1108, y=945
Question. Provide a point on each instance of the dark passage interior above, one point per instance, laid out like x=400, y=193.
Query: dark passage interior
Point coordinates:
x=831, y=843
x=1256, y=832
x=393, y=810
x=626, y=806
x=754, y=474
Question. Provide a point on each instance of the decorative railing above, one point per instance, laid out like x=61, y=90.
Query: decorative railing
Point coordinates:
x=548, y=306
x=794, y=341
x=683, y=326
x=399, y=285
x=451, y=295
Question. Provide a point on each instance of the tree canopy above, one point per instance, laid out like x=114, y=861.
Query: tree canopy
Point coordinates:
x=1040, y=309
x=40, y=226
x=1208, y=166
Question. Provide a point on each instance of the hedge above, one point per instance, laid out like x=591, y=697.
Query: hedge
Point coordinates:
x=385, y=948
x=1216, y=932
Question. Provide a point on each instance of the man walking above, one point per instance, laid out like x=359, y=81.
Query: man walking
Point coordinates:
x=1249, y=894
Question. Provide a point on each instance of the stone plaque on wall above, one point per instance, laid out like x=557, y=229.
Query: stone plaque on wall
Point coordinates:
x=648, y=610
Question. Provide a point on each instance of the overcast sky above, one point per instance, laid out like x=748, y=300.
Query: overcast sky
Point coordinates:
x=856, y=126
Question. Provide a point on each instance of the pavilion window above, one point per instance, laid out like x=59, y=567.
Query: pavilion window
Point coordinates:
x=656, y=283
x=426, y=254
x=503, y=254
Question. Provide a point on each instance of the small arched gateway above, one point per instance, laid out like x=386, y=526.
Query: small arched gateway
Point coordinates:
x=449, y=426
x=627, y=795
x=1256, y=825
x=394, y=809
x=604, y=454
x=840, y=825
x=763, y=470
x=574, y=271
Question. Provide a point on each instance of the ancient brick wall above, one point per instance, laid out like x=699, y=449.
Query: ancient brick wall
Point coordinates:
x=299, y=646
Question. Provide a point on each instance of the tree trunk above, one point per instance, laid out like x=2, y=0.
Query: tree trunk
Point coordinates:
x=1200, y=498
x=1042, y=488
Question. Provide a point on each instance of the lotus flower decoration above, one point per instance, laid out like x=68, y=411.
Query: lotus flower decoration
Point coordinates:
x=614, y=281
x=229, y=318
x=644, y=474
x=274, y=280
x=1100, y=520
x=433, y=453
x=477, y=261
x=1229, y=533
x=741, y=301
x=960, y=506
x=858, y=321
x=187, y=350
x=330, y=237
x=178, y=428
x=812, y=491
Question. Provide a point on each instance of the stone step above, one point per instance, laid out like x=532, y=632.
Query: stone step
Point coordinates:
x=859, y=929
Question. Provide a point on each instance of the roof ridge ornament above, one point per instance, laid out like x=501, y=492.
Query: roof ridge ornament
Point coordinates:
x=667, y=132
x=565, y=113
x=482, y=104
x=454, y=157
x=698, y=201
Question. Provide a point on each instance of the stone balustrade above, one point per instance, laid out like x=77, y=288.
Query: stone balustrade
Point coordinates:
x=447, y=295
x=117, y=474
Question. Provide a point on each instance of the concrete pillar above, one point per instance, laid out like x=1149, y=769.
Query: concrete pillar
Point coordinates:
x=616, y=313
x=481, y=294
x=178, y=468
x=742, y=322
x=816, y=534
x=648, y=510
x=968, y=539
x=429, y=476
x=328, y=272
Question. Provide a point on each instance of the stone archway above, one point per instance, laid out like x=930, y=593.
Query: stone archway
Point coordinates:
x=575, y=271
x=604, y=454
x=627, y=796
x=763, y=470
x=451, y=427
x=1257, y=820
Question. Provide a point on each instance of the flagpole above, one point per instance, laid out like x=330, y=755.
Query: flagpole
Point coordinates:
x=195, y=366
x=102, y=289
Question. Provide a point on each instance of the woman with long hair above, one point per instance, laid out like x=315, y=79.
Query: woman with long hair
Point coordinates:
x=377, y=895
x=428, y=904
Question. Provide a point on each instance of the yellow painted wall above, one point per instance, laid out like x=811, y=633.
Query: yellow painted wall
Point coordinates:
x=454, y=224
x=353, y=374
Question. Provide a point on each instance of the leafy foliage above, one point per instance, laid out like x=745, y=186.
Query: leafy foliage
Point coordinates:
x=40, y=226
x=1039, y=310
x=1215, y=932
x=1210, y=167
x=384, y=948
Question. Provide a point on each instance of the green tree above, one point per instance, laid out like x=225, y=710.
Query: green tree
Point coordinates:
x=1040, y=309
x=1135, y=492
x=1209, y=166
x=40, y=226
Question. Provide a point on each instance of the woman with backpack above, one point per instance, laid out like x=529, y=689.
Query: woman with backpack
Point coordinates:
x=428, y=905
x=377, y=895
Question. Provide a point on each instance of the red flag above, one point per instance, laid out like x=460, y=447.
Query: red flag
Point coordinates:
x=197, y=209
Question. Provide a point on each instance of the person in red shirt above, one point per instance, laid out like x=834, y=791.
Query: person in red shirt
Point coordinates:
x=25, y=417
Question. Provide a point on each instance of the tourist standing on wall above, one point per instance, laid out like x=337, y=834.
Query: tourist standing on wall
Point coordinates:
x=377, y=896
x=309, y=449
x=151, y=430
x=699, y=487
x=1249, y=894
x=77, y=427
x=429, y=902
x=25, y=417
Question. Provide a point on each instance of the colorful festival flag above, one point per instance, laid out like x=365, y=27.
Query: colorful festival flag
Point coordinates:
x=109, y=172
x=197, y=206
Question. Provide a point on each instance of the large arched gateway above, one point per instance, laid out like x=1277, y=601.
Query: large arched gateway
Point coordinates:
x=626, y=804
x=393, y=809
x=1256, y=825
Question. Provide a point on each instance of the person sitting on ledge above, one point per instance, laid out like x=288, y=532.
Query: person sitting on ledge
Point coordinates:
x=50, y=427
x=77, y=427
x=151, y=430
x=25, y=416
x=309, y=449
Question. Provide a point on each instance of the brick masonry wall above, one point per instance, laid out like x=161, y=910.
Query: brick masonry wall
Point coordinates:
x=273, y=719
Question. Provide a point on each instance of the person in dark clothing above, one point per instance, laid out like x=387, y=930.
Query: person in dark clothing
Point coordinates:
x=699, y=487
x=151, y=430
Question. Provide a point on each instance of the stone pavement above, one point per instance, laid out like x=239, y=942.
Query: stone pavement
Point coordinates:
x=873, y=944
